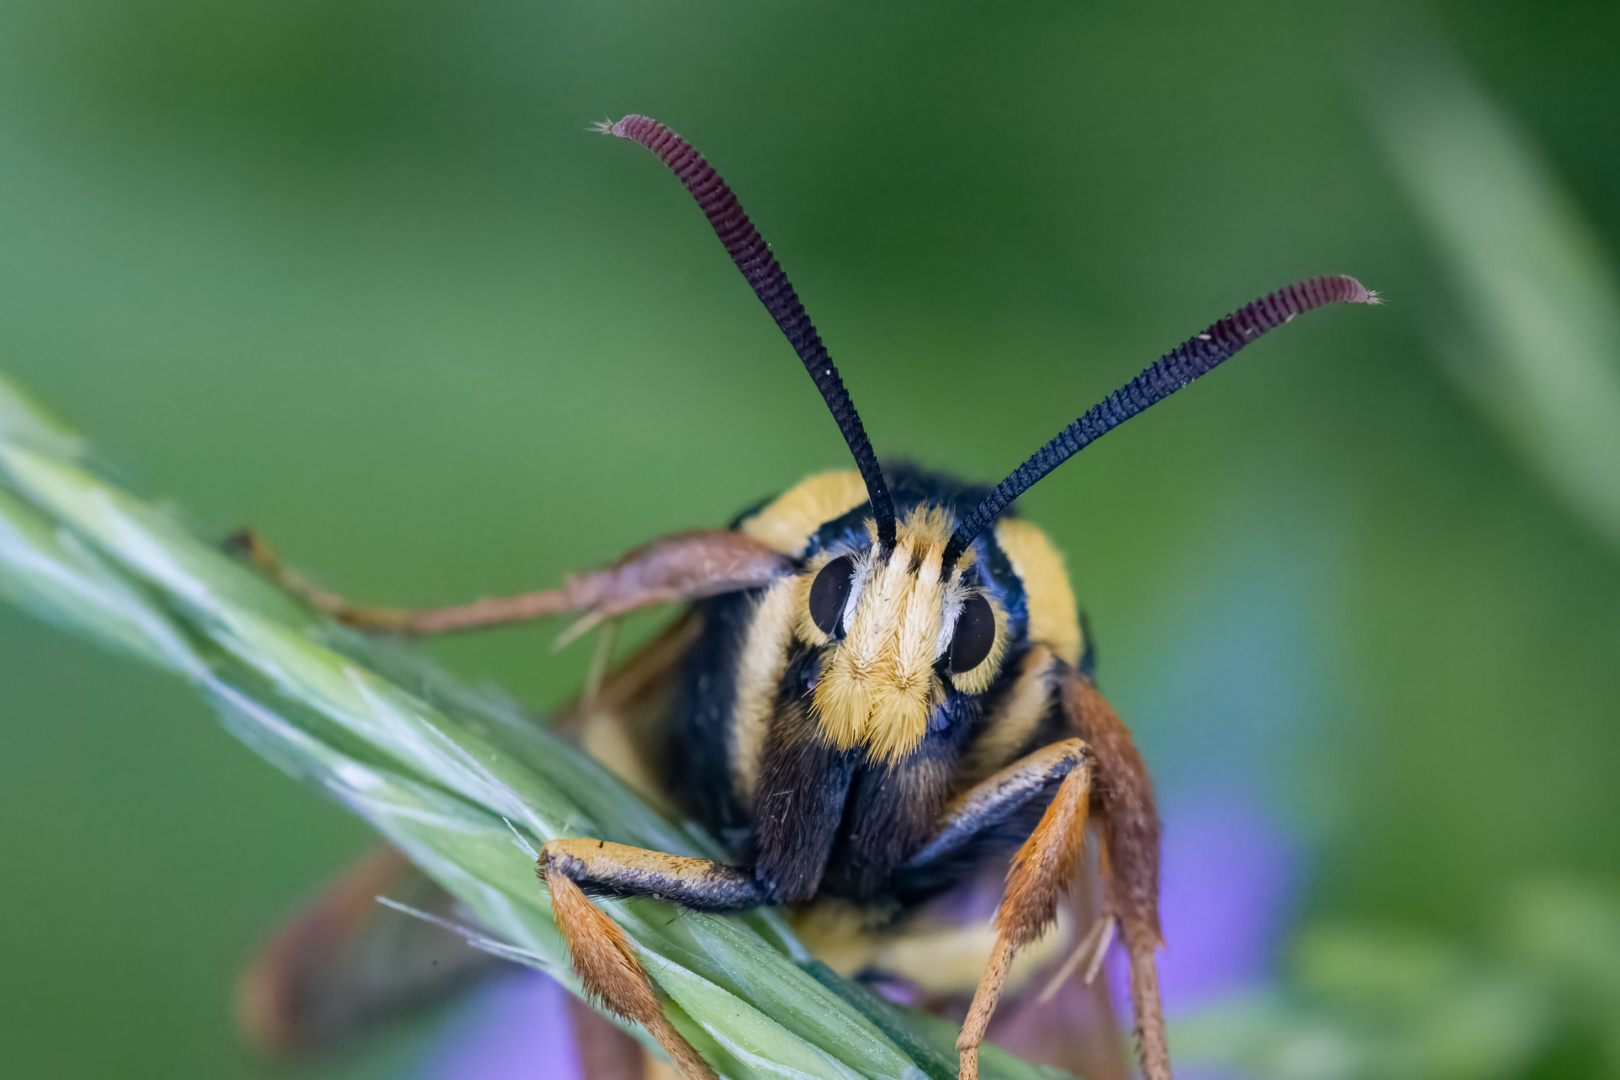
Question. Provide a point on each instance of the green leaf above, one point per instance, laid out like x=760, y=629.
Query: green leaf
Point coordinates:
x=460, y=782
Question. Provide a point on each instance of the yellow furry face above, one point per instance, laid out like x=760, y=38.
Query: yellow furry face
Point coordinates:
x=879, y=683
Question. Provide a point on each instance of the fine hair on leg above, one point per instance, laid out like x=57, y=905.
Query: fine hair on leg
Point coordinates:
x=1041, y=870
x=607, y=965
x=1130, y=830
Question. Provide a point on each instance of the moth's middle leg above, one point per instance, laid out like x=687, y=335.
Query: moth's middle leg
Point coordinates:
x=602, y=953
x=1040, y=871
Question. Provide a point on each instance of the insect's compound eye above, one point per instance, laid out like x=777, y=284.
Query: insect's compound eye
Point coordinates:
x=830, y=591
x=975, y=634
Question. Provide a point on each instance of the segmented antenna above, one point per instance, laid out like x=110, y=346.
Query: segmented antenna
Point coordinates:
x=753, y=257
x=1196, y=356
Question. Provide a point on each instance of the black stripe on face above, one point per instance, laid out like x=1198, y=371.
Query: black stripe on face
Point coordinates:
x=918, y=551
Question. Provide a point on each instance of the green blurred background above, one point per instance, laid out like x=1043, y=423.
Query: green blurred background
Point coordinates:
x=356, y=274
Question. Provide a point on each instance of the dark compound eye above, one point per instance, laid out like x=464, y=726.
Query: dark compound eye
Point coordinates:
x=975, y=634
x=829, y=592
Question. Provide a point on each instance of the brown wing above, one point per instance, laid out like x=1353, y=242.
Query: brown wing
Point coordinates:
x=342, y=962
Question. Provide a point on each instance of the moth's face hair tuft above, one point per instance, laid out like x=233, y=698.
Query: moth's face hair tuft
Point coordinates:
x=881, y=679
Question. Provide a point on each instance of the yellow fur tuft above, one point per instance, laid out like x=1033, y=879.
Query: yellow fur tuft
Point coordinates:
x=878, y=687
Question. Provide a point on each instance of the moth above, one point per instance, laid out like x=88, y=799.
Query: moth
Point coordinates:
x=879, y=686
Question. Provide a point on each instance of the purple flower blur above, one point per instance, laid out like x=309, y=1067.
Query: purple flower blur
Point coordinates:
x=516, y=1026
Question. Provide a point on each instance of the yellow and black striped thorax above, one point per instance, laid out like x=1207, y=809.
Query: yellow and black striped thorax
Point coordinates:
x=825, y=719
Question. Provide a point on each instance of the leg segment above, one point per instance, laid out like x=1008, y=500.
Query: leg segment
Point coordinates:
x=1040, y=871
x=1131, y=849
x=618, y=870
x=678, y=567
x=991, y=802
x=603, y=955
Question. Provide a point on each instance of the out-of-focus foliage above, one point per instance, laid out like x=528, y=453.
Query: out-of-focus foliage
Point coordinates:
x=1540, y=352
x=1541, y=347
x=1539, y=996
x=357, y=275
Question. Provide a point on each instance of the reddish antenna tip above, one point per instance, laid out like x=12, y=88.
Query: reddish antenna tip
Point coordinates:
x=624, y=128
x=1357, y=293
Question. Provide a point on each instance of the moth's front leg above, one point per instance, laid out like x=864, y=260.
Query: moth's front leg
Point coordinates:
x=602, y=953
x=679, y=567
x=1040, y=871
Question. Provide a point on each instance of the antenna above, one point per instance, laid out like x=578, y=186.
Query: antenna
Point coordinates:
x=753, y=257
x=1196, y=356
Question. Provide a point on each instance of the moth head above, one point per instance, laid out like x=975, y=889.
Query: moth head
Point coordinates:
x=898, y=628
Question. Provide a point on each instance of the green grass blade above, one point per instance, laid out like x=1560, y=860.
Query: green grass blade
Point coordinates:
x=465, y=787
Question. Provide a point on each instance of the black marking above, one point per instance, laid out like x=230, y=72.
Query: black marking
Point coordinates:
x=699, y=886
x=829, y=592
x=799, y=802
x=894, y=808
x=975, y=634
x=697, y=759
x=914, y=567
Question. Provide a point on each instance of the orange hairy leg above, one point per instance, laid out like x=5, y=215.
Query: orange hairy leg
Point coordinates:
x=1041, y=870
x=603, y=955
x=1130, y=830
x=679, y=567
x=606, y=963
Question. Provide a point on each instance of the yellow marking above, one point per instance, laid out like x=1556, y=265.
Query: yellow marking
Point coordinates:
x=940, y=957
x=930, y=525
x=760, y=664
x=788, y=521
x=840, y=934
x=1053, y=620
x=1013, y=722
x=948, y=960
x=603, y=860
